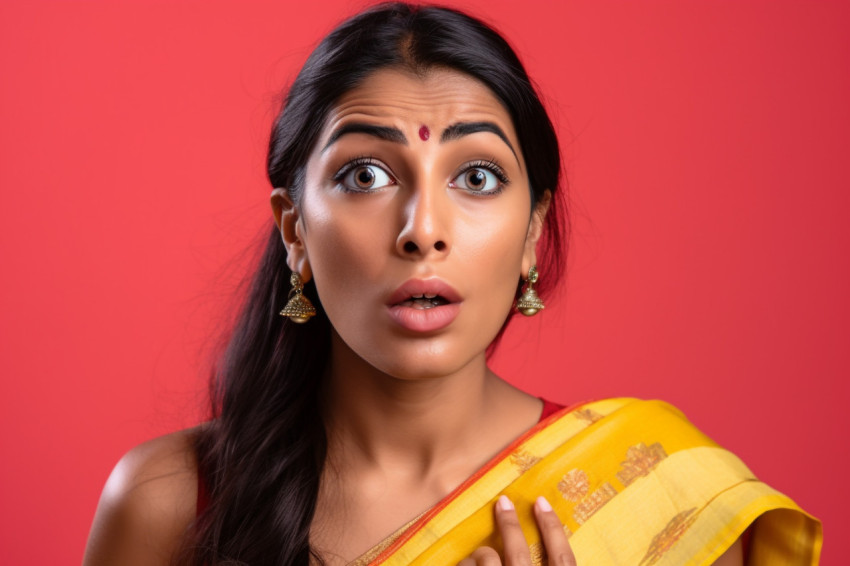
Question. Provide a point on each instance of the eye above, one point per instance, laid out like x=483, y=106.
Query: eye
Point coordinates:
x=481, y=178
x=364, y=176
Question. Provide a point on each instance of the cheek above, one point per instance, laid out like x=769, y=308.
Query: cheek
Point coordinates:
x=492, y=256
x=347, y=255
x=493, y=237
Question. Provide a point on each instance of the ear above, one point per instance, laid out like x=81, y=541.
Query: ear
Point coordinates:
x=535, y=229
x=291, y=226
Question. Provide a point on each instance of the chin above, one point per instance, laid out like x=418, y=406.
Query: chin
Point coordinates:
x=412, y=358
x=421, y=362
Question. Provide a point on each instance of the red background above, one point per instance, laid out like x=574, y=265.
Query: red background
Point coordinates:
x=706, y=145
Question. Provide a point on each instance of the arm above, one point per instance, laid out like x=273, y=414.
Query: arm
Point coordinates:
x=148, y=502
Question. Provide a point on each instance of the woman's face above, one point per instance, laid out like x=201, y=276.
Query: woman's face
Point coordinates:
x=415, y=221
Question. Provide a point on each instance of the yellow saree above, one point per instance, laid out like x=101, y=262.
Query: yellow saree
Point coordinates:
x=634, y=484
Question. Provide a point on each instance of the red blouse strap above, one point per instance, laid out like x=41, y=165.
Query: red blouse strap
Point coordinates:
x=549, y=408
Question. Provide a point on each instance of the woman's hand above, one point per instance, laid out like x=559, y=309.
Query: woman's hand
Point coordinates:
x=515, y=546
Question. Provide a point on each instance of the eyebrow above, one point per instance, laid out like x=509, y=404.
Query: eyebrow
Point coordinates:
x=457, y=131
x=451, y=133
x=380, y=132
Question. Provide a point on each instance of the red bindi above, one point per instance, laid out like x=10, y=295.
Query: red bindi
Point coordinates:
x=424, y=133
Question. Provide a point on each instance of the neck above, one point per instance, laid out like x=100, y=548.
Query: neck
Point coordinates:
x=413, y=425
x=380, y=420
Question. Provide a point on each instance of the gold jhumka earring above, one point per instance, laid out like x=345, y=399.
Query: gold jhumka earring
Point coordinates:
x=299, y=308
x=529, y=303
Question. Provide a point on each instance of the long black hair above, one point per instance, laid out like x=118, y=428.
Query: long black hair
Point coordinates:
x=261, y=456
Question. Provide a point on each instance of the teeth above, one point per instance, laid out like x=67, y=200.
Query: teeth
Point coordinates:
x=421, y=303
x=430, y=295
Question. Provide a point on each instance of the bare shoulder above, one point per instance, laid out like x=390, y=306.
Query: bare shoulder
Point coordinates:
x=147, y=503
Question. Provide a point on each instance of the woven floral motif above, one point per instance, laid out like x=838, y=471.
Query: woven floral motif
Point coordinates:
x=588, y=415
x=594, y=502
x=538, y=554
x=640, y=460
x=523, y=460
x=538, y=551
x=664, y=541
x=574, y=485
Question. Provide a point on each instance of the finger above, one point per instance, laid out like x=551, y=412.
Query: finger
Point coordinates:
x=515, y=546
x=554, y=538
x=483, y=556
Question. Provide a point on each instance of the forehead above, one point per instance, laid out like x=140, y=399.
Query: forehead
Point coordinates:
x=437, y=99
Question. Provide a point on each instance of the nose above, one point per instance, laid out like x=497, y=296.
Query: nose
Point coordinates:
x=424, y=232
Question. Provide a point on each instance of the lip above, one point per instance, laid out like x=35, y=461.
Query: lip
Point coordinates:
x=424, y=320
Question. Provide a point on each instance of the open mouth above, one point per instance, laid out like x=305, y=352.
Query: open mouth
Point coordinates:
x=414, y=305
x=424, y=301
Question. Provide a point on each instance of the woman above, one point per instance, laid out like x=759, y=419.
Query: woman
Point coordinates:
x=416, y=176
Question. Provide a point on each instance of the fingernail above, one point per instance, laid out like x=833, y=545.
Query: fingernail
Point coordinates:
x=543, y=505
x=504, y=504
